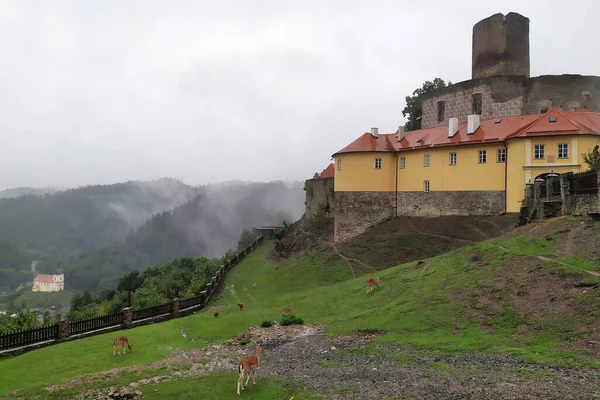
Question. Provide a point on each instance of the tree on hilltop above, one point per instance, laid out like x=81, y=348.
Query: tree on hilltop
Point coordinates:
x=592, y=159
x=414, y=103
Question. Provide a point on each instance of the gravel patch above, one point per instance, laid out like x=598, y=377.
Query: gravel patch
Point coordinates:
x=352, y=367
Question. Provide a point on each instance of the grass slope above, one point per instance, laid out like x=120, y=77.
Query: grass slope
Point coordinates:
x=492, y=296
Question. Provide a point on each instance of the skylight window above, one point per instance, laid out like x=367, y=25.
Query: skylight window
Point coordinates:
x=552, y=119
x=498, y=121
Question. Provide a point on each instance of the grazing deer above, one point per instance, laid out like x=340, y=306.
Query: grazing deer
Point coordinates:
x=216, y=313
x=246, y=367
x=240, y=305
x=287, y=310
x=370, y=283
x=121, y=341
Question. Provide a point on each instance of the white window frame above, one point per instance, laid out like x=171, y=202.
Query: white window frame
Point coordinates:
x=501, y=152
x=539, y=150
x=426, y=186
x=402, y=162
x=378, y=163
x=339, y=164
x=482, y=157
x=452, y=159
x=426, y=160
x=563, y=150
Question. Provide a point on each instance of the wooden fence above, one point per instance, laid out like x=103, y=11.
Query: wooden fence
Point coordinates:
x=150, y=312
x=28, y=336
x=125, y=319
x=584, y=182
x=95, y=323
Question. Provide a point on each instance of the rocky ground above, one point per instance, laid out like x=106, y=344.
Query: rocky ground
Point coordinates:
x=343, y=368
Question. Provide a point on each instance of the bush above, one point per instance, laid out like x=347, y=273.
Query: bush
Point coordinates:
x=244, y=341
x=265, y=324
x=290, y=319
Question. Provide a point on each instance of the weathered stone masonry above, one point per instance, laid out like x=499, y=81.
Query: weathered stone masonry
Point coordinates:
x=434, y=204
x=319, y=196
x=511, y=95
x=356, y=212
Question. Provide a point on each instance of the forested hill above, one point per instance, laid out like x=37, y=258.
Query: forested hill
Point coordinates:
x=87, y=218
x=211, y=223
x=98, y=233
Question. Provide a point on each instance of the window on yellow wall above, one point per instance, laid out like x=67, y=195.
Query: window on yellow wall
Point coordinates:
x=378, y=163
x=402, y=162
x=539, y=151
x=501, y=155
x=426, y=186
x=563, y=150
x=339, y=165
x=482, y=158
x=453, y=158
x=426, y=160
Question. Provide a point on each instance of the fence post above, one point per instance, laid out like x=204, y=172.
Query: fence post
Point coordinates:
x=127, y=317
x=175, y=306
x=565, y=193
x=203, y=298
x=63, y=329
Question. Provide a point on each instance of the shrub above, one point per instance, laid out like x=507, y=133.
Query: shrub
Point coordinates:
x=290, y=319
x=244, y=341
x=265, y=324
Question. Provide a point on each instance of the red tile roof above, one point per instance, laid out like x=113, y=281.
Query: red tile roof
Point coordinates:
x=567, y=123
x=43, y=278
x=328, y=172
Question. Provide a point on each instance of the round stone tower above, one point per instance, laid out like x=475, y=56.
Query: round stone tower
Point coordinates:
x=501, y=46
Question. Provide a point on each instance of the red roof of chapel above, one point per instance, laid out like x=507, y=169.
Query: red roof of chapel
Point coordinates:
x=567, y=123
x=43, y=278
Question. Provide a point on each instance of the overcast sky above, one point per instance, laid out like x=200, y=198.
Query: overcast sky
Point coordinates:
x=95, y=92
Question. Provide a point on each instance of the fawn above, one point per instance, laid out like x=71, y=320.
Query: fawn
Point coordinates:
x=121, y=341
x=246, y=367
x=370, y=284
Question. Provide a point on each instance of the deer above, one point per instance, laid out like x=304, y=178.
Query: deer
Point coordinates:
x=216, y=313
x=240, y=305
x=287, y=310
x=370, y=283
x=246, y=367
x=121, y=341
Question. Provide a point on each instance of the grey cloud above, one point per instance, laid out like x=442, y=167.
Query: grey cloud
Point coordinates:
x=255, y=90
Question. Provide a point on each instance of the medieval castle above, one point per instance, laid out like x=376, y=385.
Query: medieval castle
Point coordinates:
x=479, y=143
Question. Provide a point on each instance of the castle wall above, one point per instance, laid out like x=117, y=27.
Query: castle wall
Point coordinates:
x=512, y=95
x=356, y=212
x=319, y=196
x=434, y=204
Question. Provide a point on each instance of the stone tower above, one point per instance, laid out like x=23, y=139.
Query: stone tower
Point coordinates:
x=501, y=46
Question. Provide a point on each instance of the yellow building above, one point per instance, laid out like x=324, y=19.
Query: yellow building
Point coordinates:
x=49, y=283
x=460, y=169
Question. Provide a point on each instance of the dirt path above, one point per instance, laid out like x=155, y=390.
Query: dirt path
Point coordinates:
x=420, y=232
x=594, y=273
x=342, y=368
x=348, y=260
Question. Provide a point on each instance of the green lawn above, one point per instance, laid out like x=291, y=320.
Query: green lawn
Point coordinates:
x=414, y=309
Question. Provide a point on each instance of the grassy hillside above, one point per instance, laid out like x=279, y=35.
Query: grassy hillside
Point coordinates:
x=526, y=294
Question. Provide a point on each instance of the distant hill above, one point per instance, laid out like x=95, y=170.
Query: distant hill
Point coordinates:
x=24, y=191
x=87, y=218
x=211, y=223
x=99, y=232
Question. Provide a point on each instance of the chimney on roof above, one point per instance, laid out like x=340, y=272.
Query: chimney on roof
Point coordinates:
x=375, y=132
x=473, y=122
x=452, y=127
x=400, y=133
